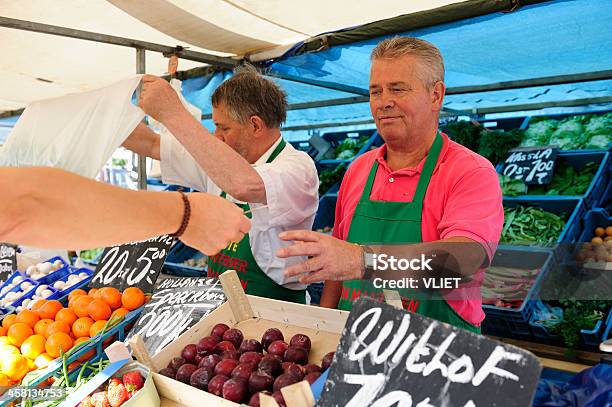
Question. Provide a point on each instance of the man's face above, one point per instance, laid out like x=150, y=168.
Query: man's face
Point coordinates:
x=401, y=105
x=231, y=132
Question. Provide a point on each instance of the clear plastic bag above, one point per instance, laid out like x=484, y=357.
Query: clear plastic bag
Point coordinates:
x=77, y=132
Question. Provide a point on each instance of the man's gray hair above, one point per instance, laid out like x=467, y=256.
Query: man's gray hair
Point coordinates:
x=432, y=63
x=248, y=93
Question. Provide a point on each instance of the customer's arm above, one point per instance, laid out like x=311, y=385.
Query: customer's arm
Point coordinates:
x=48, y=207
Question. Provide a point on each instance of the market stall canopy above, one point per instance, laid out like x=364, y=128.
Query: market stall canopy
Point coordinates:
x=564, y=40
x=37, y=66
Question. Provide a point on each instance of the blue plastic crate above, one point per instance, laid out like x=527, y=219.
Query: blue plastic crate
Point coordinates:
x=592, y=219
x=514, y=322
x=326, y=212
x=590, y=338
x=574, y=210
x=505, y=124
x=579, y=159
x=28, y=294
x=10, y=279
x=177, y=255
x=80, y=284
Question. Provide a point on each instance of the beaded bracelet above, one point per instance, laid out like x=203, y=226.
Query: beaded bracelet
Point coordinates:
x=186, y=216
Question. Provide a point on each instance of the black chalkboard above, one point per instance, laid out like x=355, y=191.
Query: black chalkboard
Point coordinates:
x=8, y=260
x=135, y=264
x=176, y=305
x=532, y=165
x=390, y=357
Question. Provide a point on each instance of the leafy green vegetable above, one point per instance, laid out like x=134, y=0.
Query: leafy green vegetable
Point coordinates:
x=567, y=181
x=539, y=133
x=328, y=178
x=465, y=133
x=598, y=142
x=577, y=315
x=495, y=144
x=349, y=147
x=524, y=225
x=511, y=186
x=569, y=134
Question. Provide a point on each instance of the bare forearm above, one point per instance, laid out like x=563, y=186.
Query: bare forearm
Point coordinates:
x=228, y=169
x=331, y=294
x=47, y=207
x=143, y=141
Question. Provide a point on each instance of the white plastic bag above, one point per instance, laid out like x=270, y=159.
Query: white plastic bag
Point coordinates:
x=77, y=132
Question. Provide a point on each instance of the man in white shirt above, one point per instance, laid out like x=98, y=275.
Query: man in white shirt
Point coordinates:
x=247, y=161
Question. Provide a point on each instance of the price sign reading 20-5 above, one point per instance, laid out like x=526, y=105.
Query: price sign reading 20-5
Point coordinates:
x=135, y=264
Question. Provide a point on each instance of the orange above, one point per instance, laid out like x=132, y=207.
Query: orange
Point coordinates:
x=36, y=304
x=41, y=326
x=50, y=309
x=67, y=315
x=81, y=326
x=92, y=292
x=118, y=315
x=57, y=343
x=4, y=380
x=3, y=331
x=43, y=360
x=76, y=293
x=111, y=296
x=15, y=367
x=27, y=317
x=58, y=326
x=9, y=320
x=132, y=298
x=32, y=347
x=19, y=332
x=99, y=310
x=87, y=355
x=79, y=305
x=96, y=328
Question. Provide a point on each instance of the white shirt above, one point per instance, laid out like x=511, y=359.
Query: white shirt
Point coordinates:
x=291, y=184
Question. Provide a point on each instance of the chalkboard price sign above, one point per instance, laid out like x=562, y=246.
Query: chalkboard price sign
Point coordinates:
x=176, y=305
x=533, y=166
x=8, y=260
x=135, y=264
x=389, y=357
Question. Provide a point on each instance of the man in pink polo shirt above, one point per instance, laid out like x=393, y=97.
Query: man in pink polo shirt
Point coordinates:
x=418, y=194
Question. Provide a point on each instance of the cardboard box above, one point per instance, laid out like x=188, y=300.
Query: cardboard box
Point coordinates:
x=322, y=325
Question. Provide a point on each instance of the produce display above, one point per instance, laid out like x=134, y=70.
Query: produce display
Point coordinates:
x=566, y=180
x=507, y=287
x=199, y=262
x=329, y=178
x=349, y=147
x=116, y=391
x=32, y=338
x=238, y=369
x=574, y=132
x=41, y=270
x=575, y=315
x=90, y=254
x=599, y=249
x=524, y=225
x=491, y=144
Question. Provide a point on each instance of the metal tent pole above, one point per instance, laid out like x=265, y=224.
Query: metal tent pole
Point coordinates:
x=142, y=160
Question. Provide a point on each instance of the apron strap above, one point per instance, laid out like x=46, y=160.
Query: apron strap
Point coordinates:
x=428, y=169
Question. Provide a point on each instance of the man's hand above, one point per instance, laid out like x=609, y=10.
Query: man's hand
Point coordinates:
x=329, y=258
x=158, y=99
x=214, y=224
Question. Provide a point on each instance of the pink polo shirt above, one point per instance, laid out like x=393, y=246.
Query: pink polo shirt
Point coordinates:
x=463, y=199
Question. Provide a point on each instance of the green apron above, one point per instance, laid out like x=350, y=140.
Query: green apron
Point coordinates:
x=239, y=256
x=384, y=222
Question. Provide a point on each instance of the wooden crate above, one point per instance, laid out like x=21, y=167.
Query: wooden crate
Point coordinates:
x=252, y=315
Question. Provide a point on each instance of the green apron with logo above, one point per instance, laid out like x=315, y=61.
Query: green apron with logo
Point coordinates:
x=239, y=256
x=384, y=222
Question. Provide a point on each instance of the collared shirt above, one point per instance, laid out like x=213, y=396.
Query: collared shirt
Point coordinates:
x=291, y=184
x=463, y=199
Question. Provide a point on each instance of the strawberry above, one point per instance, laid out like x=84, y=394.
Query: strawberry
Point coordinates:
x=99, y=400
x=114, y=380
x=117, y=394
x=133, y=381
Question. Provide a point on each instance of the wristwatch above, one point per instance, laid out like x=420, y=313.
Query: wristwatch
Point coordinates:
x=368, y=262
